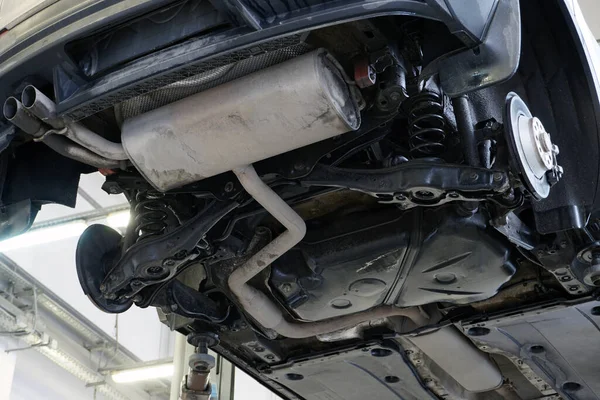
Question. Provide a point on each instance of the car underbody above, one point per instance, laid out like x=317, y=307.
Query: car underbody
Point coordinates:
x=388, y=199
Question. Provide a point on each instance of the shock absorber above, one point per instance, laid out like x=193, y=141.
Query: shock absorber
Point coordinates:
x=150, y=215
x=427, y=125
x=466, y=128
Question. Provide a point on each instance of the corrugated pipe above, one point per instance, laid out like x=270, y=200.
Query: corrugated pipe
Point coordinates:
x=257, y=304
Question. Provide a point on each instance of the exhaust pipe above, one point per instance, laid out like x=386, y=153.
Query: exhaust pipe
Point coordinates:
x=15, y=112
x=67, y=148
x=42, y=107
x=454, y=353
x=258, y=305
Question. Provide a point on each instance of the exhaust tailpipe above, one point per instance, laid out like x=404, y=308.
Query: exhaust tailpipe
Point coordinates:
x=15, y=112
x=41, y=106
x=38, y=104
x=18, y=114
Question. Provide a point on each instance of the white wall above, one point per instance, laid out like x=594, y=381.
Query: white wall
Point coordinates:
x=36, y=377
x=54, y=265
x=7, y=368
x=591, y=11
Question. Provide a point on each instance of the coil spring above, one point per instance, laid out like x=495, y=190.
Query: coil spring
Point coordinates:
x=150, y=215
x=427, y=125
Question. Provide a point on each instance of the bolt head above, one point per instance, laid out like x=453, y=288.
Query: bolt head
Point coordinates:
x=168, y=262
x=286, y=288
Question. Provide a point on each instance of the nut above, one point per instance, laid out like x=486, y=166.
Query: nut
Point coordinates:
x=201, y=362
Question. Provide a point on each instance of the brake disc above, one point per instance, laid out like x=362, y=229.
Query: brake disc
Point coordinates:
x=533, y=155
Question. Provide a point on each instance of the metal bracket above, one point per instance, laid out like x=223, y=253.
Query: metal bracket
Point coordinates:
x=492, y=62
x=515, y=230
x=415, y=183
x=153, y=261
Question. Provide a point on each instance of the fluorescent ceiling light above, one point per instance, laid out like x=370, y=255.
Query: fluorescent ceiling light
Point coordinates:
x=43, y=235
x=118, y=219
x=143, y=373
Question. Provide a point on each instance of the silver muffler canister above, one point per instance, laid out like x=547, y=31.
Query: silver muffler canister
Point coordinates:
x=269, y=112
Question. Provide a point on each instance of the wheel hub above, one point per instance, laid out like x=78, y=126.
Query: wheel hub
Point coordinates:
x=533, y=153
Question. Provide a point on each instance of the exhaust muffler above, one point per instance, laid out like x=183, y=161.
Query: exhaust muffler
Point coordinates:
x=269, y=112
